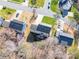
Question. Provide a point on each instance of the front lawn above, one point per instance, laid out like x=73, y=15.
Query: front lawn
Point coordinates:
x=49, y=20
x=36, y=3
x=73, y=9
x=54, y=5
x=17, y=1
x=6, y=12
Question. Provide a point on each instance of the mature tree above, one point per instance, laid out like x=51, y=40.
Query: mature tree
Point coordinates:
x=76, y=16
x=33, y=2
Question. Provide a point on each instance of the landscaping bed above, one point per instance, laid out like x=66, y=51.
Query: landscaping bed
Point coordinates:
x=16, y=1
x=6, y=12
x=36, y=3
x=54, y=5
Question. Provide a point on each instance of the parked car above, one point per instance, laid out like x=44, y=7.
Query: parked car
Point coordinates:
x=48, y=5
x=17, y=14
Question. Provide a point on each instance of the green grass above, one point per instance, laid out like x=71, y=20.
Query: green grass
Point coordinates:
x=48, y=20
x=17, y=1
x=38, y=3
x=6, y=12
x=76, y=13
x=77, y=55
x=54, y=5
x=73, y=9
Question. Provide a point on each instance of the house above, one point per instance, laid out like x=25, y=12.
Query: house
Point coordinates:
x=39, y=32
x=65, y=6
x=19, y=26
x=65, y=38
x=42, y=28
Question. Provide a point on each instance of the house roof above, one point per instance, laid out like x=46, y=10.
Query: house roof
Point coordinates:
x=43, y=28
x=65, y=4
x=18, y=25
x=41, y=31
x=62, y=2
x=65, y=38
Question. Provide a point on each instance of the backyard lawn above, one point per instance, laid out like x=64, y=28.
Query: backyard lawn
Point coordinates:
x=48, y=20
x=17, y=1
x=54, y=5
x=6, y=12
x=36, y=3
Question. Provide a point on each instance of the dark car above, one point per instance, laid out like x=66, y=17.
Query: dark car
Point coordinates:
x=17, y=14
x=48, y=2
x=48, y=5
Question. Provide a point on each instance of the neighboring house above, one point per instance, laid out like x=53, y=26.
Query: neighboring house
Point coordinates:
x=42, y=28
x=65, y=38
x=18, y=26
x=65, y=6
x=39, y=32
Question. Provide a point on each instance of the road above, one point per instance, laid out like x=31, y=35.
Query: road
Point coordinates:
x=41, y=11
